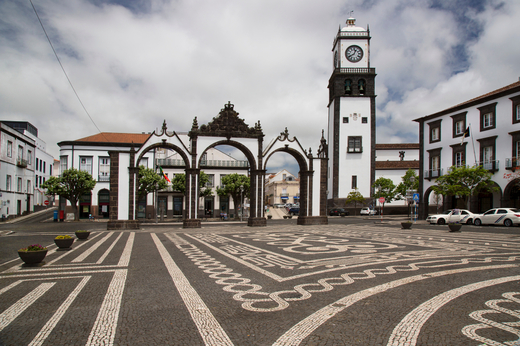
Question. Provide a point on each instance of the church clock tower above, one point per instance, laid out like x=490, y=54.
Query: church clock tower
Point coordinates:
x=352, y=115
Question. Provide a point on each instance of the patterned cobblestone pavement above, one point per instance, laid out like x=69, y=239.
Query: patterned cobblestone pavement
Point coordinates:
x=325, y=285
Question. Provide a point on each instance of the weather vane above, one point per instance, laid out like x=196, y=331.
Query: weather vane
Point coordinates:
x=351, y=13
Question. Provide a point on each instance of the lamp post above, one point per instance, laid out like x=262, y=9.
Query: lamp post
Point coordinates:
x=241, y=202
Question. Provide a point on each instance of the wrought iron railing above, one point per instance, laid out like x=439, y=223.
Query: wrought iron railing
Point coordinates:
x=432, y=173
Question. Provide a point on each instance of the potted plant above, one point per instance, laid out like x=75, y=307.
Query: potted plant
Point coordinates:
x=269, y=216
x=33, y=254
x=406, y=224
x=63, y=241
x=454, y=226
x=82, y=234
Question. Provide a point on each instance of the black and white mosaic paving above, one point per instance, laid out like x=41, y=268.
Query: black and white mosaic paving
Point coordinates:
x=324, y=285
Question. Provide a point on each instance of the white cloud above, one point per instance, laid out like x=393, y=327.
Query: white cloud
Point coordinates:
x=272, y=59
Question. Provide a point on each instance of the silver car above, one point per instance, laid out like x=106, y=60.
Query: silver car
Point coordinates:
x=499, y=216
x=452, y=215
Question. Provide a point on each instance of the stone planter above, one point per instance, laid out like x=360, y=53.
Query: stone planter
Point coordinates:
x=32, y=257
x=64, y=243
x=406, y=225
x=269, y=217
x=285, y=216
x=455, y=227
x=82, y=235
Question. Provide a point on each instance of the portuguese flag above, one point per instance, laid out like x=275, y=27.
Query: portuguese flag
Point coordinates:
x=164, y=175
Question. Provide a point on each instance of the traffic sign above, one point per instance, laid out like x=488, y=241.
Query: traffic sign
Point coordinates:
x=46, y=202
x=416, y=197
x=381, y=200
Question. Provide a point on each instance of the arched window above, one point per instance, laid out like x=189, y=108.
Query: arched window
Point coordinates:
x=348, y=86
x=362, y=86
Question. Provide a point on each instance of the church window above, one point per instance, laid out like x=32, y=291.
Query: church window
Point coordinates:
x=354, y=181
x=345, y=120
x=362, y=86
x=364, y=120
x=354, y=144
x=348, y=86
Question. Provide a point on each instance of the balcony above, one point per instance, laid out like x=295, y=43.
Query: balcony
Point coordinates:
x=171, y=162
x=491, y=166
x=21, y=163
x=224, y=163
x=103, y=178
x=432, y=173
x=512, y=164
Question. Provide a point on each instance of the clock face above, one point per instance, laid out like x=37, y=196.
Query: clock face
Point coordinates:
x=354, y=53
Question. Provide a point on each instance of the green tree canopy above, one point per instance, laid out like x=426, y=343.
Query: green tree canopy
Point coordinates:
x=410, y=181
x=71, y=185
x=464, y=181
x=149, y=181
x=386, y=188
x=232, y=184
x=355, y=197
x=179, y=184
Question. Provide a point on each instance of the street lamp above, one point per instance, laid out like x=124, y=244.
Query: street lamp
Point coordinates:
x=241, y=202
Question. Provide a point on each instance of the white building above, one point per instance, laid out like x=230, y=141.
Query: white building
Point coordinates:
x=392, y=162
x=91, y=154
x=17, y=157
x=493, y=120
x=43, y=161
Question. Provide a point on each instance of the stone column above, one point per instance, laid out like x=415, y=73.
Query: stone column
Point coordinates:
x=191, y=196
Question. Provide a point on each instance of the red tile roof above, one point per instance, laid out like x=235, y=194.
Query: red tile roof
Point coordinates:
x=397, y=164
x=113, y=137
x=397, y=146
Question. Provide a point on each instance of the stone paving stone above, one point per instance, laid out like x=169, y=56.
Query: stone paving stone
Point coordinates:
x=359, y=284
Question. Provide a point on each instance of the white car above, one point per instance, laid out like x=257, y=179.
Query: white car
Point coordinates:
x=499, y=216
x=452, y=215
x=367, y=211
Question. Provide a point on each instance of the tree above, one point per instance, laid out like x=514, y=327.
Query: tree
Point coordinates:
x=410, y=181
x=464, y=181
x=179, y=184
x=355, y=196
x=232, y=184
x=386, y=188
x=149, y=181
x=71, y=185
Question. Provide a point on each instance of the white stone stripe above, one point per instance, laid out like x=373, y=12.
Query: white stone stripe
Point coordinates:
x=209, y=328
x=7, y=288
x=407, y=331
x=104, y=330
x=21, y=305
x=239, y=260
x=305, y=327
x=102, y=258
x=93, y=248
x=74, y=249
x=125, y=256
x=49, y=326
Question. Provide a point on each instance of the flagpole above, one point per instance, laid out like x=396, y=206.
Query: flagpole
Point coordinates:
x=473, y=145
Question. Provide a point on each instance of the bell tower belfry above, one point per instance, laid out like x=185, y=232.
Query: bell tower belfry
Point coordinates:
x=351, y=115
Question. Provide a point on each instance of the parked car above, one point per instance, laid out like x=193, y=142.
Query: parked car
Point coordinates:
x=278, y=205
x=462, y=216
x=294, y=211
x=498, y=216
x=338, y=212
x=367, y=211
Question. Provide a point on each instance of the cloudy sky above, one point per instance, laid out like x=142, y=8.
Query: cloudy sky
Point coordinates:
x=137, y=63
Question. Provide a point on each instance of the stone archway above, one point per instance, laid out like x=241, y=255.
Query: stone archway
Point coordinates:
x=511, y=195
x=225, y=129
